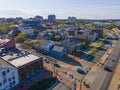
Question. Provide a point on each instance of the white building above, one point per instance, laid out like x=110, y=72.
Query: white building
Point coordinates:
x=26, y=29
x=8, y=76
x=72, y=19
x=91, y=35
x=46, y=45
x=102, y=23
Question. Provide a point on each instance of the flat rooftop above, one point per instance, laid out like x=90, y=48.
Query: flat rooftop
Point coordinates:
x=24, y=60
x=18, y=58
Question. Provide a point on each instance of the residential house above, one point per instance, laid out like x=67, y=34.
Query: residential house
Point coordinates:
x=7, y=43
x=81, y=38
x=99, y=32
x=46, y=45
x=8, y=75
x=58, y=52
x=12, y=34
x=69, y=44
x=92, y=36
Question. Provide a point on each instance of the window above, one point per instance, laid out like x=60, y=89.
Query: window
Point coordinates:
x=0, y=84
x=3, y=73
x=13, y=82
x=13, y=77
x=21, y=69
x=9, y=79
x=27, y=66
x=10, y=84
x=8, y=71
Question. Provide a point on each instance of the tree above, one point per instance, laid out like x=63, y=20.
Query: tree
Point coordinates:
x=36, y=45
x=93, y=25
x=57, y=37
x=84, y=44
x=20, y=37
x=62, y=26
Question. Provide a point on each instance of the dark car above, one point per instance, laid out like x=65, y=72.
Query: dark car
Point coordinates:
x=47, y=61
x=81, y=71
x=57, y=65
x=108, y=69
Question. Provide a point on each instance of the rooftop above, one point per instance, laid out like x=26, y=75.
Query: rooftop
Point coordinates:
x=2, y=41
x=58, y=48
x=18, y=58
x=24, y=60
x=45, y=42
x=4, y=64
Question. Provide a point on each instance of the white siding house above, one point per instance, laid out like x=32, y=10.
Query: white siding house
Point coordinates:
x=46, y=45
x=8, y=76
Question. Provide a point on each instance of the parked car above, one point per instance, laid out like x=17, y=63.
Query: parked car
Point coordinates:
x=81, y=71
x=46, y=60
x=108, y=69
x=57, y=65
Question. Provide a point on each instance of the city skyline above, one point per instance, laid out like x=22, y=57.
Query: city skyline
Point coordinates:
x=82, y=9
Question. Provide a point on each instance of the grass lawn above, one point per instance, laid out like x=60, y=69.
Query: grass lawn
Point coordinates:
x=44, y=84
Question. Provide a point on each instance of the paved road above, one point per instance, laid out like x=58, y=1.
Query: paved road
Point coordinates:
x=104, y=78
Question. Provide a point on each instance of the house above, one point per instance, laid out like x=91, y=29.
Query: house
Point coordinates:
x=46, y=45
x=99, y=32
x=48, y=35
x=8, y=75
x=31, y=23
x=81, y=38
x=26, y=63
x=13, y=33
x=7, y=43
x=69, y=44
x=92, y=36
x=58, y=52
x=27, y=30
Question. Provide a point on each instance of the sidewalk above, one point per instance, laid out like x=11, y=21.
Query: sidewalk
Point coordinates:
x=115, y=83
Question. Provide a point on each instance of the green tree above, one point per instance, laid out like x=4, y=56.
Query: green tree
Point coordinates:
x=84, y=44
x=20, y=38
x=62, y=26
x=57, y=37
x=36, y=45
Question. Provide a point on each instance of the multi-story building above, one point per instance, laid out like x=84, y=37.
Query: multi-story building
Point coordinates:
x=8, y=75
x=26, y=63
x=27, y=30
x=51, y=18
x=7, y=43
x=99, y=32
x=72, y=19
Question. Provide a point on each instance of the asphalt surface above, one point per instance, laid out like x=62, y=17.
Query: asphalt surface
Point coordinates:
x=104, y=78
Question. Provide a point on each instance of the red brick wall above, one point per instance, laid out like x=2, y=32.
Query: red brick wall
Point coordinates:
x=9, y=44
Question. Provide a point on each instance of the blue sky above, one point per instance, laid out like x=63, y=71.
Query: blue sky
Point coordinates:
x=83, y=9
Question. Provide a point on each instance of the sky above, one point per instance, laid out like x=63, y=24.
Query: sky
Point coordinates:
x=82, y=9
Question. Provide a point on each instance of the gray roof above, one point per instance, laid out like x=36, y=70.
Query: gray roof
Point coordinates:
x=45, y=42
x=58, y=48
x=4, y=64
